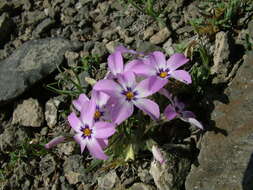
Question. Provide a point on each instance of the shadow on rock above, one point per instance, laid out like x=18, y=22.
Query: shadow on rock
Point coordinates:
x=247, y=182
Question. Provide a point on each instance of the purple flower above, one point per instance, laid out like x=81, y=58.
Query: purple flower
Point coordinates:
x=177, y=110
x=100, y=98
x=54, y=142
x=155, y=64
x=89, y=133
x=116, y=63
x=157, y=154
x=126, y=93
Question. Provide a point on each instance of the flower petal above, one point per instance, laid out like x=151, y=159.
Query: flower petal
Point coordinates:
x=187, y=114
x=127, y=79
x=80, y=102
x=103, y=142
x=157, y=154
x=170, y=112
x=95, y=149
x=87, y=113
x=54, y=142
x=115, y=62
x=176, y=61
x=121, y=112
x=150, y=86
x=166, y=93
x=82, y=142
x=123, y=49
x=140, y=68
x=158, y=58
x=182, y=76
x=149, y=107
x=74, y=122
x=193, y=121
x=108, y=86
x=103, y=129
x=100, y=98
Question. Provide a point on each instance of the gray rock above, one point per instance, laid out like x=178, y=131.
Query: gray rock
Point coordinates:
x=74, y=170
x=110, y=46
x=221, y=62
x=33, y=17
x=29, y=114
x=148, y=33
x=141, y=186
x=108, y=181
x=166, y=176
x=51, y=110
x=144, y=175
x=167, y=46
x=5, y=27
x=47, y=165
x=250, y=29
x=66, y=148
x=7, y=139
x=43, y=27
x=11, y=137
x=30, y=63
x=160, y=36
x=99, y=49
x=226, y=160
x=145, y=46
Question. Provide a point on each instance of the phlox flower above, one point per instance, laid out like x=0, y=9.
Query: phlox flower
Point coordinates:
x=116, y=63
x=54, y=142
x=155, y=64
x=100, y=99
x=157, y=154
x=126, y=93
x=177, y=110
x=89, y=133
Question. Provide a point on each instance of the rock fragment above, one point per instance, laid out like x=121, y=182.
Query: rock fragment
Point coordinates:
x=160, y=36
x=28, y=114
x=51, y=110
x=31, y=62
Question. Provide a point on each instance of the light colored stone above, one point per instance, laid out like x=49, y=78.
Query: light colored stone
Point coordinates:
x=110, y=46
x=51, y=110
x=148, y=33
x=29, y=114
x=220, y=58
x=162, y=178
x=160, y=36
x=167, y=46
x=141, y=186
x=108, y=181
x=72, y=177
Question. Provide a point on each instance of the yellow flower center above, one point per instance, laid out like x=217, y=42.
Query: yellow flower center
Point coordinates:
x=97, y=114
x=87, y=132
x=129, y=95
x=163, y=74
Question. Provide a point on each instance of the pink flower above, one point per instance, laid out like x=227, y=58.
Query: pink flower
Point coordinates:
x=126, y=93
x=100, y=99
x=157, y=154
x=54, y=142
x=177, y=110
x=155, y=64
x=116, y=63
x=89, y=133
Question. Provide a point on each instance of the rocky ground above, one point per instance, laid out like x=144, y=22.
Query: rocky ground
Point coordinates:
x=37, y=38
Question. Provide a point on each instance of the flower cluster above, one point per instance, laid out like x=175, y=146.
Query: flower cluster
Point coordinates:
x=126, y=86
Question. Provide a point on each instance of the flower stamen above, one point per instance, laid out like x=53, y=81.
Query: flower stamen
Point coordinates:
x=129, y=95
x=97, y=115
x=163, y=74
